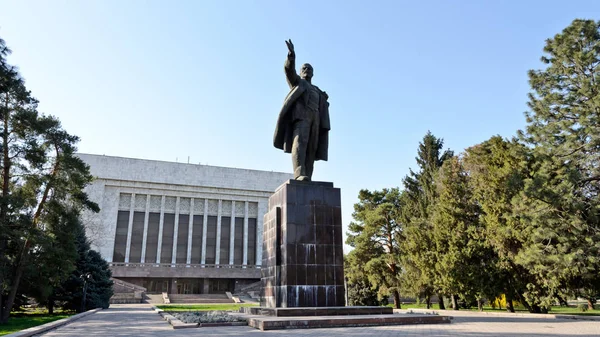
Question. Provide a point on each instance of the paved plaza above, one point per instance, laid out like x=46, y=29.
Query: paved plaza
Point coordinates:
x=141, y=320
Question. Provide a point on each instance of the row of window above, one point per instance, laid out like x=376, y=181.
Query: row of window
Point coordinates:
x=166, y=248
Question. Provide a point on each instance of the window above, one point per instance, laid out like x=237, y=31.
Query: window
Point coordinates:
x=121, y=236
x=182, y=238
x=166, y=251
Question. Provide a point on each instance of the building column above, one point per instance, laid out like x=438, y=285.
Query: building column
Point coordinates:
x=205, y=221
x=218, y=243
x=188, y=259
x=232, y=233
x=129, y=227
x=144, y=239
x=262, y=210
x=160, y=229
x=175, y=232
x=245, y=254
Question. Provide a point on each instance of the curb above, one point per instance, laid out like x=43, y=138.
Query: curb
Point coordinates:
x=52, y=325
x=465, y=313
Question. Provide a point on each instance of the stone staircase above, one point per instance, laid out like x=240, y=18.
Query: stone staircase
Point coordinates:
x=154, y=299
x=200, y=298
x=126, y=293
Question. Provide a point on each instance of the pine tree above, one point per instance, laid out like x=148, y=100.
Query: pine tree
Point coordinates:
x=375, y=235
x=37, y=165
x=560, y=203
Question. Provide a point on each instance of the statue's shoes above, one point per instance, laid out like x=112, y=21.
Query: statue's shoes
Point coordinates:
x=303, y=178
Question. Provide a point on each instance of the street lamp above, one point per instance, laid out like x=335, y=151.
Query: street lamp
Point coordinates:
x=85, y=277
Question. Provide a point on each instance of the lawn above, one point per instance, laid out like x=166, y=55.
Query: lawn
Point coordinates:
x=571, y=310
x=204, y=307
x=20, y=321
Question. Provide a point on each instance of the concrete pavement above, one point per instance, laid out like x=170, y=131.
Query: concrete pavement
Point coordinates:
x=141, y=320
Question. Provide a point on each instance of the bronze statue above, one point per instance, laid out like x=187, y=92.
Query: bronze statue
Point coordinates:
x=303, y=123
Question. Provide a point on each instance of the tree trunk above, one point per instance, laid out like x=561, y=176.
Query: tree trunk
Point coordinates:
x=4, y=309
x=2, y=321
x=454, y=302
x=590, y=304
x=479, y=304
x=51, y=306
x=535, y=309
x=428, y=301
x=397, y=304
x=509, y=304
x=441, y=302
x=16, y=280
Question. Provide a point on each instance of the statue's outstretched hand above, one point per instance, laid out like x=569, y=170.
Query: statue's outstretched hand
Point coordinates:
x=290, y=46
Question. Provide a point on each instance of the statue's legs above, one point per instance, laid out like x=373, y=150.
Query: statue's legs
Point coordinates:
x=311, y=151
x=299, y=149
x=304, y=149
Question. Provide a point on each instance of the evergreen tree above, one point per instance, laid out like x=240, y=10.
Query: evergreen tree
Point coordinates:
x=99, y=284
x=54, y=257
x=360, y=290
x=464, y=262
x=419, y=195
x=497, y=170
x=560, y=203
x=37, y=166
x=375, y=236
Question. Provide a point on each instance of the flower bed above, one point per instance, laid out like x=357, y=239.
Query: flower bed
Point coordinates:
x=205, y=317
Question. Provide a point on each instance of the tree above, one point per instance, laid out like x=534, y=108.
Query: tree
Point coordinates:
x=375, y=236
x=560, y=202
x=360, y=290
x=54, y=258
x=464, y=262
x=497, y=170
x=419, y=195
x=99, y=284
x=37, y=166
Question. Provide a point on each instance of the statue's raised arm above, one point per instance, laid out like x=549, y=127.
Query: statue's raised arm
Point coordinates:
x=290, y=65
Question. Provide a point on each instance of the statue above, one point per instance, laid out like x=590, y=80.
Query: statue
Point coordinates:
x=303, y=124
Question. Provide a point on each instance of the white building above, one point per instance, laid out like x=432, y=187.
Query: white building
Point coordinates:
x=179, y=228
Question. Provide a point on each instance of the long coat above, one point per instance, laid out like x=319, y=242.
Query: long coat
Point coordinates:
x=283, y=137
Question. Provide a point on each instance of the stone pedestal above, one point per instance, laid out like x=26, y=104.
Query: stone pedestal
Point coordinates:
x=303, y=263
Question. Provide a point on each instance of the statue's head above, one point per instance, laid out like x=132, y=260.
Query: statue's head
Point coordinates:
x=306, y=71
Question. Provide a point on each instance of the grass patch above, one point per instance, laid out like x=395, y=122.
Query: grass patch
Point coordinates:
x=20, y=321
x=204, y=307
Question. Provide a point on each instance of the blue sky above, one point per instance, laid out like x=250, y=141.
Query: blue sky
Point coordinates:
x=166, y=80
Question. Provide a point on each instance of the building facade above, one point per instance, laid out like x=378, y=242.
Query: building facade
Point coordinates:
x=179, y=228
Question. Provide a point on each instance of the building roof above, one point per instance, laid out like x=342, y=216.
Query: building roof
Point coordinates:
x=162, y=172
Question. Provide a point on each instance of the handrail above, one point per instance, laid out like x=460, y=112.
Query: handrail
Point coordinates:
x=166, y=299
x=128, y=285
x=182, y=265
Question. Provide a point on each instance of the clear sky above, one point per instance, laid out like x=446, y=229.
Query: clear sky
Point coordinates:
x=166, y=80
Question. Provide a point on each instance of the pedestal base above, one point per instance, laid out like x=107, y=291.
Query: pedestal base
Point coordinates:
x=303, y=261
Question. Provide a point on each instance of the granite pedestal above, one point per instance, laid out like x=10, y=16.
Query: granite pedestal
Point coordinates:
x=303, y=263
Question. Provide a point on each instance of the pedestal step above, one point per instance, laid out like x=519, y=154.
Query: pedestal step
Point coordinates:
x=277, y=323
